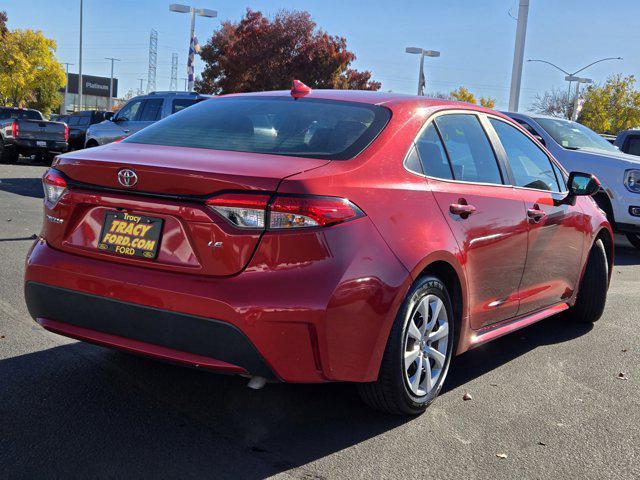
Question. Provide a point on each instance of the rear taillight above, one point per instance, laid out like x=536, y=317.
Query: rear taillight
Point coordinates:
x=243, y=211
x=54, y=185
x=15, y=130
x=284, y=211
x=66, y=132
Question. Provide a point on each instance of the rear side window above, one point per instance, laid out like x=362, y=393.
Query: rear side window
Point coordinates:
x=432, y=154
x=84, y=120
x=182, y=103
x=531, y=167
x=633, y=145
x=151, y=110
x=305, y=127
x=470, y=153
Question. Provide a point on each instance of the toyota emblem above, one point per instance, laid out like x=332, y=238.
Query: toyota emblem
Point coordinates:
x=127, y=178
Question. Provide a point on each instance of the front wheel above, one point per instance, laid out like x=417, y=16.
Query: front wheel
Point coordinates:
x=592, y=294
x=418, y=352
x=634, y=239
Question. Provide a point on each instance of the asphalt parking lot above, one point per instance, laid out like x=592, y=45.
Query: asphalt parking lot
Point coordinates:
x=547, y=401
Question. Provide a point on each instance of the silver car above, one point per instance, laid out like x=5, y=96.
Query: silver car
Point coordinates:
x=138, y=113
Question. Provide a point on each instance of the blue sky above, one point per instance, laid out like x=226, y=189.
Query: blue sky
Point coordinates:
x=475, y=37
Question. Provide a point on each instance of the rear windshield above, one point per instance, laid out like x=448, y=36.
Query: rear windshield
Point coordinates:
x=27, y=114
x=315, y=128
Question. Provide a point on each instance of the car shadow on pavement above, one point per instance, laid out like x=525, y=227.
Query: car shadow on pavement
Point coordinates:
x=626, y=255
x=26, y=187
x=80, y=411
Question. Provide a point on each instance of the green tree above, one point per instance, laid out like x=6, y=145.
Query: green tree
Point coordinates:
x=613, y=107
x=30, y=75
x=258, y=53
x=464, y=95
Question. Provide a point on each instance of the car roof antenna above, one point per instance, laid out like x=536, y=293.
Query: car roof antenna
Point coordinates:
x=299, y=89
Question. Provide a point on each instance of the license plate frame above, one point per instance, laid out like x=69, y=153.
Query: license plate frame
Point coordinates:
x=119, y=238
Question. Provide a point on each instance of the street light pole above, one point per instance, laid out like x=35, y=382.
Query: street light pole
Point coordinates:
x=63, y=108
x=111, y=82
x=569, y=76
x=202, y=12
x=80, y=64
x=576, y=101
x=518, y=56
x=422, y=82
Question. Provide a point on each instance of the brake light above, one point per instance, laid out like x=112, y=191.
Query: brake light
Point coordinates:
x=284, y=211
x=54, y=185
x=15, y=129
x=296, y=212
x=66, y=132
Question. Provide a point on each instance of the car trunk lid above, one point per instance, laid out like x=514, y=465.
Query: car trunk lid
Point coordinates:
x=172, y=185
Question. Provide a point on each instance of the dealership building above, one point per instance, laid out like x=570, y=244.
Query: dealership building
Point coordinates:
x=95, y=93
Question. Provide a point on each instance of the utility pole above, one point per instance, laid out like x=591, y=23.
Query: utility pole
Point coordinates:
x=111, y=82
x=185, y=83
x=140, y=91
x=63, y=107
x=518, y=56
x=80, y=64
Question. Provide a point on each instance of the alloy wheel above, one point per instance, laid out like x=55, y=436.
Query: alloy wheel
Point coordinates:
x=425, y=345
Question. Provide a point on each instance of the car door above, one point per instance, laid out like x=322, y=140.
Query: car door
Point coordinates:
x=486, y=216
x=121, y=125
x=555, y=238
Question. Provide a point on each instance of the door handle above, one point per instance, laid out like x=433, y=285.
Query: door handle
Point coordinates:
x=126, y=130
x=462, y=209
x=535, y=214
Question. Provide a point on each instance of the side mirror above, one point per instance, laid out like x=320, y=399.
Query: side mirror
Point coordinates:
x=540, y=139
x=583, y=184
x=580, y=185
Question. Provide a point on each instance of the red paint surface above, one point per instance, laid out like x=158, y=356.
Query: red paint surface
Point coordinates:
x=318, y=304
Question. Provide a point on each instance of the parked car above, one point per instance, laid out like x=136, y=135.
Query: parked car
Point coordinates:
x=628, y=141
x=137, y=113
x=578, y=148
x=79, y=123
x=334, y=236
x=24, y=131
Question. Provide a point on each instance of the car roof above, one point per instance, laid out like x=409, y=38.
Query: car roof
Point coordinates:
x=533, y=116
x=374, y=98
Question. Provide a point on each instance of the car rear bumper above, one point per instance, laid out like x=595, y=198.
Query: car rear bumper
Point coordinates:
x=314, y=314
x=28, y=146
x=150, y=331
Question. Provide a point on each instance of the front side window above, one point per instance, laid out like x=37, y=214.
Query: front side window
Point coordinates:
x=470, y=153
x=530, y=166
x=334, y=130
x=432, y=154
x=129, y=111
x=633, y=145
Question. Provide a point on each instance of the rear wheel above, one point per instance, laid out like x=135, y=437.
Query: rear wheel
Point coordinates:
x=7, y=155
x=418, y=352
x=634, y=238
x=592, y=294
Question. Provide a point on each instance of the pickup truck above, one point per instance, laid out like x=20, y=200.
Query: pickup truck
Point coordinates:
x=24, y=131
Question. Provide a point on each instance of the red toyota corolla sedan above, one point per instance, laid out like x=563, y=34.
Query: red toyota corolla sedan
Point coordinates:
x=317, y=236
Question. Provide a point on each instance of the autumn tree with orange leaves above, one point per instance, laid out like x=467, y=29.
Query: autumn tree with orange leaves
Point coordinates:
x=258, y=54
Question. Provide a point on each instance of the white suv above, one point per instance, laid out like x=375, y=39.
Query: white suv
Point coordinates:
x=581, y=149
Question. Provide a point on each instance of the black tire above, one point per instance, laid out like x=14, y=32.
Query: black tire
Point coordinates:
x=592, y=295
x=391, y=392
x=7, y=155
x=634, y=239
